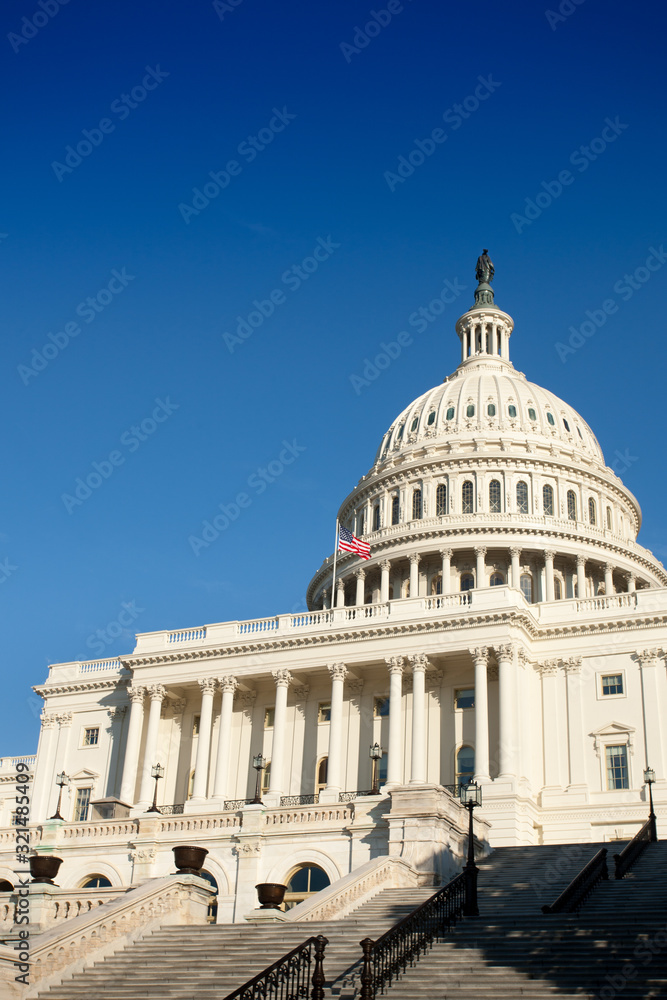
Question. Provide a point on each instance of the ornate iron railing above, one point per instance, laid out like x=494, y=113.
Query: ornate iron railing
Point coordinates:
x=581, y=885
x=231, y=805
x=289, y=978
x=351, y=796
x=386, y=958
x=647, y=835
x=300, y=800
x=175, y=810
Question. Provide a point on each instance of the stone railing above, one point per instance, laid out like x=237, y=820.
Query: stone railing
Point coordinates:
x=9, y=763
x=319, y=814
x=99, y=666
x=96, y=830
x=187, y=635
x=70, y=946
x=50, y=904
x=349, y=892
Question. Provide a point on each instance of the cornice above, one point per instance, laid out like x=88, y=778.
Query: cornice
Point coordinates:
x=110, y=684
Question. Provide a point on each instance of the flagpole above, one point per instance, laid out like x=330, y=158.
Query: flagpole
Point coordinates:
x=333, y=579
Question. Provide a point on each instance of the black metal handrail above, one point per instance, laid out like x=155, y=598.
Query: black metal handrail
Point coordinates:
x=351, y=796
x=173, y=810
x=581, y=885
x=647, y=835
x=289, y=977
x=231, y=805
x=386, y=958
x=300, y=800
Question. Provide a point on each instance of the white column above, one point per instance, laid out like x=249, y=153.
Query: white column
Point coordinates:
x=480, y=657
x=581, y=576
x=45, y=771
x=361, y=586
x=395, y=758
x=283, y=679
x=653, y=698
x=340, y=594
x=550, y=724
x=200, y=783
x=338, y=673
x=507, y=702
x=632, y=583
x=385, y=566
x=480, y=580
x=156, y=693
x=515, y=555
x=132, y=745
x=326, y=600
x=414, y=574
x=419, y=664
x=446, y=570
x=575, y=724
x=549, y=573
x=608, y=579
x=228, y=686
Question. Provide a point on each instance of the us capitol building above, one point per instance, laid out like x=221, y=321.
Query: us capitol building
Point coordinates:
x=507, y=626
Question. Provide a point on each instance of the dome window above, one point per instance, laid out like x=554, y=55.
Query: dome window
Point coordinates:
x=415, y=424
x=431, y=418
x=548, y=500
x=491, y=409
x=531, y=413
x=526, y=584
x=450, y=413
x=522, y=497
x=558, y=589
x=467, y=581
x=467, y=497
x=441, y=500
x=416, y=505
x=470, y=410
x=494, y=496
x=579, y=432
x=592, y=511
x=550, y=418
x=566, y=425
x=497, y=580
x=400, y=432
x=376, y=517
x=609, y=518
x=394, y=510
x=511, y=410
x=571, y=505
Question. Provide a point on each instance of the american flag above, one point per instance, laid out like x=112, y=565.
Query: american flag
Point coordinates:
x=350, y=543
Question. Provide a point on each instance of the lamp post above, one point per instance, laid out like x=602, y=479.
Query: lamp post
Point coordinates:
x=157, y=772
x=471, y=796
x=63, y=781
x=649, y=778
x=375, y=753
x=259, y=763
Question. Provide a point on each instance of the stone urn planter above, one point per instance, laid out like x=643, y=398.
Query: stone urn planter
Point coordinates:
x=44, y=868
x=271, y=895
x=189, y=860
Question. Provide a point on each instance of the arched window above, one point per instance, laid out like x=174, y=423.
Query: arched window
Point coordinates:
x=416, y=505
x=531, y=413
x=470, y=410
x=415, y=424
x=550, y=418
x=609, y=521
x=322, y=771
x=212, y=912
x=441, y=500
x=571, y=505
x=6, y=886
x=400, y=432
x=497, y=580
x=558, y=589
x=548, y=500
x=361, y=522
x=511, y=409
x=95, y=882
x=467, y=497
x=467, y=581
x=450, y=413
x=394, y=510
x=526, y=584
x=465, y=765
x=592, y=511
x=304, y=881
x=266, y=778
x=436, y=586
x=431, y=418
x=522, y=497
x=491, y=409
x=376, y=517
x=494, y=496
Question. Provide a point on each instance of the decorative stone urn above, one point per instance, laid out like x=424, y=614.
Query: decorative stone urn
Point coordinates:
x=271, y=895
x=189, y=860
x=44, y=868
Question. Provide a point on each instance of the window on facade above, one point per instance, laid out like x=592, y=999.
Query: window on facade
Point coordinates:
x=376, y=518
x=522, y=497
x=322, y=771
x=571, y=505
x=450, y=413
x=96, y=882
x=609, y=521
x=303, y=882
x=617, y=767
x=566, y=425
x=91, y=736
x=465, y=765
x=415, y=424
x=431, y=418
x=494, y=496
x=548, y=500
x=491, y=409
x=6, y=886
x=526, y=584
x=324, y=711
x=436, y=586
x=361, y=522
x=467, y=581
x=441, y=500
x=82, y=804
x=266, y=778
x=612, y=684
x=195, y=725
x=464, y=698
x=511, y=409
x=592, y=512
x=380, y=707
x=470, y=410
x=467, y=497
x=531, y=413
x=400, y=432
x=558, y=589
x=579, y=432
x=550, y=418
x=269, y=715
x=416, y=505
x=394, y=510
x=497, y=580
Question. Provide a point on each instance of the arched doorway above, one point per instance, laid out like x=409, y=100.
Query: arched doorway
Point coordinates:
x=6, y=886
x=95, y=882
x=212, y=913
x=304, y=881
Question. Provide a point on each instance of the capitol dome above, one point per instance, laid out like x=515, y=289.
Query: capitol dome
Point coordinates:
x=484, y=480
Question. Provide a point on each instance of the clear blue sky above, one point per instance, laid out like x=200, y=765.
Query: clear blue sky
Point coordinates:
x=314, y=117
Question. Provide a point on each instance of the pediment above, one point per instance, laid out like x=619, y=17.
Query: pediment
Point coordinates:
x=84, y=775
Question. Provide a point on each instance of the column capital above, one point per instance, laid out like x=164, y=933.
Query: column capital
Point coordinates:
x=337, y=671
x=446, y=553
x=283, y=678
x=548, y=668
x=207, y=685
x=480, y=653
x=581, y=560
x=228, y=684
x=340, y=583
x=549, y=555
x=648, y=657
x=395, y=664
x=480, y=550
x=157, y=692
x=573, y=665
x=48, y=720
x=360, y=574
x=64, y=720
x=414, y=558
x=505, y=651
x=609, y=567
x=136, y=693
x=385, y=564
x=419, y=661
x=522, y=656
x=515, y=552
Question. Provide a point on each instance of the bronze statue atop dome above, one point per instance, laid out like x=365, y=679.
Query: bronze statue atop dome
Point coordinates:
x=484, y=269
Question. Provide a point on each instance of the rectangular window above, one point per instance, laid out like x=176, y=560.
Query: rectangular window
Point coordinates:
x=91, y=736
x=617, y=767
x=380, y=708
x=464, y=698
x=324, y=711
x=81, y=805
x=612, y=684
x=269, y=715
x=195, y=725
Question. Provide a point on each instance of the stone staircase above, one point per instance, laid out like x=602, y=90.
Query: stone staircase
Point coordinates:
x=612, y=948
